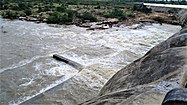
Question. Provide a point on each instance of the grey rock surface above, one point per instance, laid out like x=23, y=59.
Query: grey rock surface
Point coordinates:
x=176, y=96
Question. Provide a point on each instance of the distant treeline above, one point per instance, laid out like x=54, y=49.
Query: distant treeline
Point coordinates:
x=65, y=11
x=71, y=11
x=75, y=1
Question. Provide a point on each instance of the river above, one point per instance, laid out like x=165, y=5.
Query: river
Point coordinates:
x=29, y=74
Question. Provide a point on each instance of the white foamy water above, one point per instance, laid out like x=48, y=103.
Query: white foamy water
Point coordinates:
x=27, y=68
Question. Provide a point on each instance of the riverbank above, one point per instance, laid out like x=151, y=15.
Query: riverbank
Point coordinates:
x=79, y=13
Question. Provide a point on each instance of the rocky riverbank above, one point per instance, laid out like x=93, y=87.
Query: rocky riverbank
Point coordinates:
x=84, y=14
x=106, y=23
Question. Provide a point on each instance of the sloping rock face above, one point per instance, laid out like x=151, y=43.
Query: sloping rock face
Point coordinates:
x=148, y=79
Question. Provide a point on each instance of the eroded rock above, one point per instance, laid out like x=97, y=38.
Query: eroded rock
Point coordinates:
x=176, y=97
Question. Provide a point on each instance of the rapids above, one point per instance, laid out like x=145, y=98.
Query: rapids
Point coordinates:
x=28, y=70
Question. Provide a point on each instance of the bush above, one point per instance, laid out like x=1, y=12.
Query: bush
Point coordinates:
x=88, y=16
x=47, y=8
x=116, y=13
x=40, y=9
x=60, y=18
x=1, y=5
x=4, y=5
x=23, y=6
x=28, y=12
x=14, y=7
x=71, y=13
x=145, y=9
x=62, y=8
x=72, y=2
x=54, y=17
x=10, y=14
x=142, y=8
x=129, y=13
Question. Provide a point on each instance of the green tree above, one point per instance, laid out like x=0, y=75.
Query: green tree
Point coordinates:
x=28, y=12
x=1, y=5
x=60, y=18
x=61, y=8
x=23, y=6
x=10, y=14
x=88, y=16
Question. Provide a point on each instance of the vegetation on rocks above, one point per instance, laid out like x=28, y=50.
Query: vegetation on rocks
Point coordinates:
x=61, y=16
x=115, y=13
x=88, y=16
x=142, y=8
x=71, y=11
x=63, y=12
x=12, y=14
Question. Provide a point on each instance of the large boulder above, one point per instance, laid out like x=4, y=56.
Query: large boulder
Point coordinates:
x=147, y=80
x=176, y=96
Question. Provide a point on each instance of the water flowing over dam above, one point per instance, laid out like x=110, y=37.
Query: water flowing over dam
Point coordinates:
x=27, y=67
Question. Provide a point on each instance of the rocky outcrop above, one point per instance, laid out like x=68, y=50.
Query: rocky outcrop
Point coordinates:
x=176, y=97
x=148, y=79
